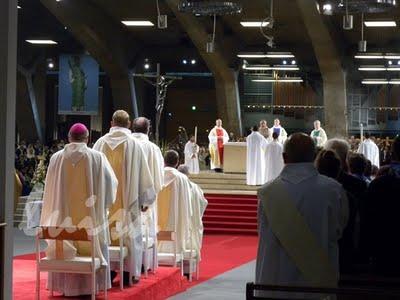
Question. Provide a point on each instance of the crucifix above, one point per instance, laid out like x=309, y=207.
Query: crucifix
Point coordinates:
x=161, y=82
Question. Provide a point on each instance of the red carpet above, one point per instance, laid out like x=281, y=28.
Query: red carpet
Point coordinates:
x=231, y=214
x=220, y=253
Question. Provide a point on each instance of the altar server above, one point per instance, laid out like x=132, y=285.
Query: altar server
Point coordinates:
x=217, y=137
x=80, y=186
x=319, y=134
x=370, y=150
x=174, y=205
x=255, y=165
x=192, y=156
x=155, y=160
x=273, y=159
x=282, y=134
x=135, y=190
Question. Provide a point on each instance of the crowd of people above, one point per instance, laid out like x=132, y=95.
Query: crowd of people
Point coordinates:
x=331, y=211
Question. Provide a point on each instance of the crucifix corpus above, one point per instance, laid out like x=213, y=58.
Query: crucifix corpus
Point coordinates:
x=161, y=82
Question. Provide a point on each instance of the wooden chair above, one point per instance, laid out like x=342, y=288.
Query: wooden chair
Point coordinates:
x=149, y=249
x=78, y=265
x=118, y=254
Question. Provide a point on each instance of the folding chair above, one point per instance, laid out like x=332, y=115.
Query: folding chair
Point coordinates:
x=78, y=265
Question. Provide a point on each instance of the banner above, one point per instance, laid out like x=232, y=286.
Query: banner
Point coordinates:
x=78, y=85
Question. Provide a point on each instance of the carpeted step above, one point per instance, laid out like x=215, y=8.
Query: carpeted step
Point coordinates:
x=232, y=201
x=238, y=225
x=233, y=211
x=228, y=218
x=235, y=231
x=239, y=206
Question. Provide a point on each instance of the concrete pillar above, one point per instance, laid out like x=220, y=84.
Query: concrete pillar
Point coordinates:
x=225, y=79
x=330, y=64
x=8, y=68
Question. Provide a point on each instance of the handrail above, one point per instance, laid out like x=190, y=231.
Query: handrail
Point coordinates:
x=349, y=291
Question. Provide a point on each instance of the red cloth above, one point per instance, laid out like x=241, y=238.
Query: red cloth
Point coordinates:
x=220, y=141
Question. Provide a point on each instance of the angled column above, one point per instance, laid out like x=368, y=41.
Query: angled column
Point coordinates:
x=330, y=64
x=8, y=68
x=225, y=78
x=105, y=39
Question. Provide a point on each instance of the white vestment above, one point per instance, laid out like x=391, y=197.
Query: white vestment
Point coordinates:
x=370, y=151
x=319, y=136
x=137, y=191
x=58, y=209
x=282, y=134
x=155, y=161
x=322, y=202
x=192, y=157
x=215, y=155
x=273, y=160
x=175, y=209
x=199, y=204
x=255, y=165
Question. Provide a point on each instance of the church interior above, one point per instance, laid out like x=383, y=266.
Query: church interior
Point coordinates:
x=199, y=149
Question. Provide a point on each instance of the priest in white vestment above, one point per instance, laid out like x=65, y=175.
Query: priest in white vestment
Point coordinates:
x=319, y=134
x=155, y=160
x=217, y=137
x=273, y=159
x=80, y=186
x=255, y=164
x=174, y=205
x=135, y=190
x=199, y=205
x=301, y=217
x=192, y=155
x=277, y=128
x=264, y=130
x=370, y=150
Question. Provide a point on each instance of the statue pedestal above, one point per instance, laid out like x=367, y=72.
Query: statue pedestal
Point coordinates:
x=235, y=156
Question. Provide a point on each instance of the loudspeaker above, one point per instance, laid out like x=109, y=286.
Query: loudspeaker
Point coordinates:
x=348, y=22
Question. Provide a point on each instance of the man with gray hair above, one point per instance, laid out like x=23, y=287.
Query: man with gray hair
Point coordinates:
x=301, y=216
x=319, y=134
x=356, y=192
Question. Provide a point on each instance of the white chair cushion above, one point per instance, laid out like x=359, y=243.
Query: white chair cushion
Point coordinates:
x=150, y=242
x=115, y=253
x=75, y=265
x=168, y=258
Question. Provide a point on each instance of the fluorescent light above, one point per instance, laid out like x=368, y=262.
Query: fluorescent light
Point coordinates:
x=374, y=81
x=394, y=81
x=254, y=23
x=369, y=56
x=19, y=7
x=138, y=23
x=271, y=68
x=265, y=55
x=372, y=68
x=392, y=56
x=380, y=23
x=393, y=68
x=42, y=42
x=288, y=79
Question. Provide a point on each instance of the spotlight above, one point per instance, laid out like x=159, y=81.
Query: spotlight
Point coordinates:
x=50, y=65
x=390, y=62
x=147, y=66
x=284, y=62
x=327, y=9
x=194, y=107
x=184, y=62
x=398, y=62
x=193, y=61
x=293, y=62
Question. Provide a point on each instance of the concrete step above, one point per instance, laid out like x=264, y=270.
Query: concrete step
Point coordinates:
x=219, y=181
x=212, y=186
x=230, y=231
x=230, y=218
x=231, y=212
x=238, y=225
x=213, y=175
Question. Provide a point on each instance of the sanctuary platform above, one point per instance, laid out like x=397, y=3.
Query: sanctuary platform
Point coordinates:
x=232, y=205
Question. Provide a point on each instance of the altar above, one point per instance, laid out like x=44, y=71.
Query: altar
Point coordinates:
x=235, y=157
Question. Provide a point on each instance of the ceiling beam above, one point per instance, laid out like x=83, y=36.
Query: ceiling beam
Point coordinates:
x=225, y=78
x=330, y=65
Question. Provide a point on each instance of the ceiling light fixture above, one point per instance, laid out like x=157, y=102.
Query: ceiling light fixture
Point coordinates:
x=42, y=42
x=372, y=68
x=257, y=24
x=193, y=62
x=380, y=23
x=265, y=55
x=138, y=23
x=374, y=81
x=287, y=79
x=270, y=68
